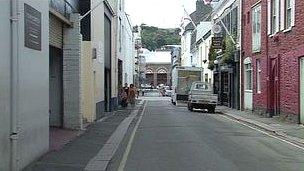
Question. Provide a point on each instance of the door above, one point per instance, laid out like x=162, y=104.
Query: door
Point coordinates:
x=55, y=89
x=107, y=62
x=302, y=90
x=107, y=90
x=274, y=88
x=120, y=74
x=224, y=88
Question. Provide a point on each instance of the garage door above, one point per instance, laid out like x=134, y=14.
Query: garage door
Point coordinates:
x=56, y=32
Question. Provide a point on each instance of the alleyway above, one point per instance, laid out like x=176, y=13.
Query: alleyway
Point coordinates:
x=171, y=138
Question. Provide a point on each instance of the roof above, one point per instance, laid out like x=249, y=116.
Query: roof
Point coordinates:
x=202, y=29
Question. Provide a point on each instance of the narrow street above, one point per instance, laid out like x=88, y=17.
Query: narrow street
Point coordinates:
x=172, y=138
x=154, y=85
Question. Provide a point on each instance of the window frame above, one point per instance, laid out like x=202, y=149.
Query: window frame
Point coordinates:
x=274, y=17
x=256, y=13
x=258, y=76
x=248, y=85
x=287, y=23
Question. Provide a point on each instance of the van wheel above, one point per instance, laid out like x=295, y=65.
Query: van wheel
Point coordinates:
x=211, y=109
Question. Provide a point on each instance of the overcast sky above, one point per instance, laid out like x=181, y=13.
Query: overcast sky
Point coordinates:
x=160, y=13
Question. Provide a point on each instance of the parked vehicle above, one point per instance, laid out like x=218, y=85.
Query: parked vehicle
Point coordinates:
x=168, y=93
x=182, y=79
x=201, y=97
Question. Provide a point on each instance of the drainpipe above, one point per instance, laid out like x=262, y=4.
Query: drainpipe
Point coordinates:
x=268, y=70
x=14, y=164
x=241, y=57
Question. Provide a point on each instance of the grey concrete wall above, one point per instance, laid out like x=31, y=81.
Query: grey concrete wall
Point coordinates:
x=33, y=90
x=4, y=84
x=33, y=87
x=71, y=75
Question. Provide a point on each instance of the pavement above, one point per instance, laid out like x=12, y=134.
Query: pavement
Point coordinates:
x=76, y=153
x=289, y=131
x=60, y=137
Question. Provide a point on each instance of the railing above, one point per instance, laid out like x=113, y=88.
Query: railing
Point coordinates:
x=63, y=7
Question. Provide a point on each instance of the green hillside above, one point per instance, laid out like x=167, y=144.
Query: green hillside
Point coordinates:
x=154, y=38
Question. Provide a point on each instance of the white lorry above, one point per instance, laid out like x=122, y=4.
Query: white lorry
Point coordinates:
x=182, y=79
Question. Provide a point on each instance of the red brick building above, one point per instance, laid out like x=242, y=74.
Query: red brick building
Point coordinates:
x=272, y=56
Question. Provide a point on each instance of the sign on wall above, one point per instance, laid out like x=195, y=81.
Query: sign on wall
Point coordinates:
x=32, y=28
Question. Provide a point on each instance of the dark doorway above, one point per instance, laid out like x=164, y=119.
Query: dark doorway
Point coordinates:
x=120, y=74
x=55, y=87
x=107, y=89
x=162, y=78
x=274, y=88
x=224, y=88
x=150, y=79
x=107, y=63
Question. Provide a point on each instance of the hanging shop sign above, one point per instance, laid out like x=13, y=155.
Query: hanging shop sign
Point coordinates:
x=217, y=42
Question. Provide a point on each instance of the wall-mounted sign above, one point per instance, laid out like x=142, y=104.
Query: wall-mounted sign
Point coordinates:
x=217, y=42
x=32, y=28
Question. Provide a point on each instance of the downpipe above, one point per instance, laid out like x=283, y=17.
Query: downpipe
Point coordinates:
x=14, y=90
x=241, y=56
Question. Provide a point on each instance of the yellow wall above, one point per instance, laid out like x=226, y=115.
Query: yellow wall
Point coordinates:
x=87, y=83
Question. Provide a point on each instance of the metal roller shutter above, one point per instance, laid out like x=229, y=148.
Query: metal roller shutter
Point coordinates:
x=56, y=32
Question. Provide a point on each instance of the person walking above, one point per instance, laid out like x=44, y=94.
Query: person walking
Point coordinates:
x=132, y=95
x=126, y=92
x=123, y=98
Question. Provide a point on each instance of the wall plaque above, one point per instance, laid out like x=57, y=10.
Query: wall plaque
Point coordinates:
x=32, y=28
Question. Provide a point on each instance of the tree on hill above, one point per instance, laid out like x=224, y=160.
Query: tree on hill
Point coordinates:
x=154, y=38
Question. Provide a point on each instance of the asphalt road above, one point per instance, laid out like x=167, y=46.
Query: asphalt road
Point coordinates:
x=172, y=138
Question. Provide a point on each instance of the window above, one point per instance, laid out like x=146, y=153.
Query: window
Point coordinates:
x=256, y=28
x=288, y=11
x=206, y=78
x=248, y=74
x=287, y=14
x=258, y=72
x=206, y=53
x=281, y=15
x=273, y=16
x=120, y=4
x=120, y=34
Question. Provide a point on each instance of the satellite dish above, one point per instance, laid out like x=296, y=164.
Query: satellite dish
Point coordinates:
x=217, y=29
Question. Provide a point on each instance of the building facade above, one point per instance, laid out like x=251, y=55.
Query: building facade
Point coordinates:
x=273, y=52
x=24, y=86
x=186, y=56
x=125, y=47
x=189, y=52
x=227, y=64
x=158, y=68
x=203, y=44
x=100, y=37
x=65, y=65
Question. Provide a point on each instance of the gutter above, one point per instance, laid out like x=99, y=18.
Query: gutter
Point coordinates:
x=14, y=85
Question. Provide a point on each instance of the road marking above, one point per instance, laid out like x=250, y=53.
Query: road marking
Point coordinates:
x=266, y=133
x=123, y=162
